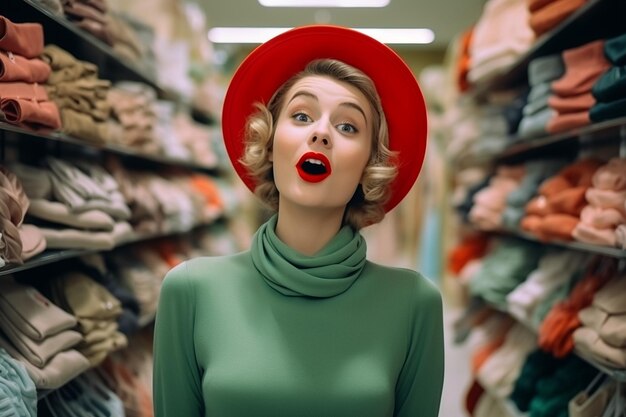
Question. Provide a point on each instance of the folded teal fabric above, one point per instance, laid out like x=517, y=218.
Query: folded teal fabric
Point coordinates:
x=554, y=392
x=607, y=111
x=496, y=279
x=611, y=85
x=615, y=49
x=535, y=125
x=538, y=365
x=18, y=395
x=545, y=69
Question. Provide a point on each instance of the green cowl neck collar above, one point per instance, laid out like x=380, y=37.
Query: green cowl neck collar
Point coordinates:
x=328, y=273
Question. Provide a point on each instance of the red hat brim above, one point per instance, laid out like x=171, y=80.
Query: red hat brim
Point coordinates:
x=271, y=64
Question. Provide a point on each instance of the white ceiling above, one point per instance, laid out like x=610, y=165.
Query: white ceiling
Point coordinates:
x=446, y=18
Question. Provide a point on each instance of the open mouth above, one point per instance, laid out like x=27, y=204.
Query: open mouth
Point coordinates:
x=313, y=167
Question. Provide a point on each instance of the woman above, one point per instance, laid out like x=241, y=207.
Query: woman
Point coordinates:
x=302, y=324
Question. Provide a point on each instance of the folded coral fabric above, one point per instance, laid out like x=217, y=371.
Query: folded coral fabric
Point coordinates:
x=583, y=66
x=578, y=173
x=546, y=15
x=18, y=68
x=555, y=333
x=25, y=39
x=37, y=115
x=568, y=201
x=573, y=104
x=17, y=89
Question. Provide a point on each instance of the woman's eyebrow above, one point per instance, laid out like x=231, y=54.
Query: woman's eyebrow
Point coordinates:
x=303, y=93
x=314, y=97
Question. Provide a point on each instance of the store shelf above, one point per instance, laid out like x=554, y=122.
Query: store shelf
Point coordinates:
x=596, y=19
x=45, y=258
x=85, y=46
x=59, y=30
x=579, y=246
x=615, y=373
x=591, y=135
x=54, y=255
x=120, y=150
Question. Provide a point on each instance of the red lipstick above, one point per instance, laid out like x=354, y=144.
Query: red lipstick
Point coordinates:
x=313, y=167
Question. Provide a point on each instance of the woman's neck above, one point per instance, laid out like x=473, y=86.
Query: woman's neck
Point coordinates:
x=307, y=230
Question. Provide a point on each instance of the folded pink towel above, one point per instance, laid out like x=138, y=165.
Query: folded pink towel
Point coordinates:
x=611, y=176
x=606, y=198
x=602, y=218
x=594, y=236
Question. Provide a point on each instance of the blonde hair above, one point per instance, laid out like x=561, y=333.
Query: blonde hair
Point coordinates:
x=366, y=206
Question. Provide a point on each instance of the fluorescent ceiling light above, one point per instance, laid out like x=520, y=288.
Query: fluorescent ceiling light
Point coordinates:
x=260, y=34
x=324, y=3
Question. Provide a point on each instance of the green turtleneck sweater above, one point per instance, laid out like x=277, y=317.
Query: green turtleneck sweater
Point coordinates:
x=271, y=332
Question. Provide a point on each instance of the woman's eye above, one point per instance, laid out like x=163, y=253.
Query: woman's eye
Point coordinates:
x=347, y=128
x=301, y=117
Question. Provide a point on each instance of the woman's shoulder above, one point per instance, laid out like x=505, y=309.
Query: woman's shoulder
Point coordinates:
x=203, y=269
x=403, y=280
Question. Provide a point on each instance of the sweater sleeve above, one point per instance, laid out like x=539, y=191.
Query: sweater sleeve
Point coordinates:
x=419, y=387
x=177, y=379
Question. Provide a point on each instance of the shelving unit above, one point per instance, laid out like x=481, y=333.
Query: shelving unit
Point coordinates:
x=17, y=142
x=597, y=134
x=596, y=19
x=60, y=31
x=61, y=138
x=53, y=256
x=579, y=246
x=84, y=46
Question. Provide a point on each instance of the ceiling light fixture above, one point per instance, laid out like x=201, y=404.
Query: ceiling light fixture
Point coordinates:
x=324, y=3
x=257, y=35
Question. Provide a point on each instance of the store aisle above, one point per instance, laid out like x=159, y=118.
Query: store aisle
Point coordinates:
x=457, y=373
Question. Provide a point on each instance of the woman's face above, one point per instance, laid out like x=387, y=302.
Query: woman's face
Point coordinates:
x=322, y=143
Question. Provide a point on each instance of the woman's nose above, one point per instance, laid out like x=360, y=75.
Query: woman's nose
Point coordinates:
x=322, y=139
x=321, y=136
